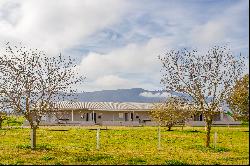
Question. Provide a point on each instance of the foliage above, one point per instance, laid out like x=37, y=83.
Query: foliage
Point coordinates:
x=206, y=78
x=124, y=146
x=239, y=99
x=172, y=112
x=12, y=120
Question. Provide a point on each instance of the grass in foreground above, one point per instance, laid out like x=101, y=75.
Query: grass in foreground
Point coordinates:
x=124, y=145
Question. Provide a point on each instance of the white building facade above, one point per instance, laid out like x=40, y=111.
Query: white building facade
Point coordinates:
x=117, y=114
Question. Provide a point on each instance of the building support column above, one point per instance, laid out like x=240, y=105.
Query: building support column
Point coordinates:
x=221, y=116
x=133, y=115
x=72, y=115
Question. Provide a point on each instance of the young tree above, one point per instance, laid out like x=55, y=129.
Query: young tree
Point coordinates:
x=238, y=99
x=31, y=83
x=172, y=112
x=207, y=78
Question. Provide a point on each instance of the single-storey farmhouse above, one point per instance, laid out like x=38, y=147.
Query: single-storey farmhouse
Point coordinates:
x=117, y=114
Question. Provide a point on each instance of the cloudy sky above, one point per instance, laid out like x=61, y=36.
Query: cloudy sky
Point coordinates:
x=115, y=42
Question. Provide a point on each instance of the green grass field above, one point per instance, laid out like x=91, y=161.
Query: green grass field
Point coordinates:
x=124, y=145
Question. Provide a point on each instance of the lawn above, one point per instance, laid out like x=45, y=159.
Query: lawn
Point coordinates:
x=124, y=145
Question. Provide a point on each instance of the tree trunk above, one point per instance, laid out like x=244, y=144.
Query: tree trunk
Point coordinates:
x=1, y=121
x=169, y=128
x=33, y=137
x=208, y=130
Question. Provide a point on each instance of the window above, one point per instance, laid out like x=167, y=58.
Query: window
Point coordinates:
x=126, y=116
x=87, y=117
x=120, y=115
x=99, y=115
x=201, y=117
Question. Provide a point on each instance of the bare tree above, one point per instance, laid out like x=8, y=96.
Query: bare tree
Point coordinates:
x=31, y=83
x=173, y=111
x=208, y=78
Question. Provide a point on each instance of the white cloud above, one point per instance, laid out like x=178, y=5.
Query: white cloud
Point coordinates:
x=150, y=94
x=55, y=26
x=222, y=28
x=208, y=33
x=141, y=59
x=134, y=59
x=114, y=82
x=61, y=26
x=111, y=82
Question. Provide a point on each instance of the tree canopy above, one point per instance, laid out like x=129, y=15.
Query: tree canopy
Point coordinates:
x=238, y=99
x=31, y=82
x=206, y=77
x=172, y=112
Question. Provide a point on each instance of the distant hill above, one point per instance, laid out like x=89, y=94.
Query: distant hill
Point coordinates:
x=124, y=95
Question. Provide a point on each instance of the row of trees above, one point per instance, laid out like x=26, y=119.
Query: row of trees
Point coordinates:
x=177, y=110
x=31, y=83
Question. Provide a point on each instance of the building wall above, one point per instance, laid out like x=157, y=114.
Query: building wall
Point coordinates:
x=110, y=116
x=124, y=117
x=219, y=116
x=99, y=116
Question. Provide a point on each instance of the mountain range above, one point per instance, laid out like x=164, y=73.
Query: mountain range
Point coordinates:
x=125, y=95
